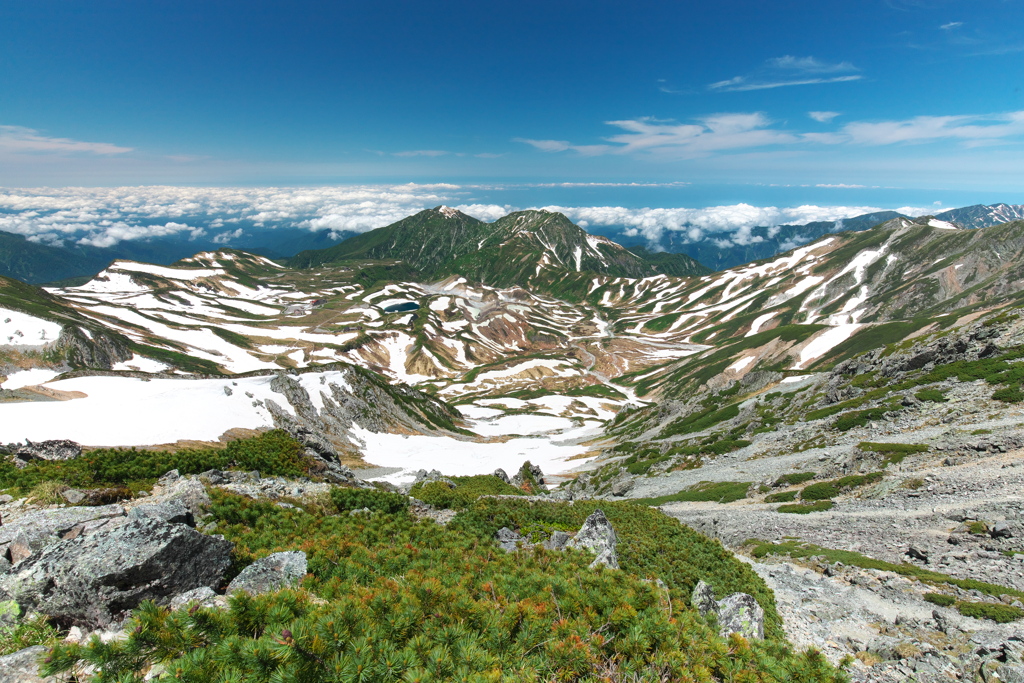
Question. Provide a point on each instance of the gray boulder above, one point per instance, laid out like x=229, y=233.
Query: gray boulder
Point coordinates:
x=172, y=511
x=278, y=570
x=597, y=536
x=203, y=595
x=1011, y=673
x=622, y=486
x=526, y=472
x=740, y=613
x=1001, y=530
x=37, y=530
x=58, y=449
x=23, y=666
x=93, y=579
x=500, y=474
x=509, y=540
x=73, y=496
x=703, y=599
x=557, y=541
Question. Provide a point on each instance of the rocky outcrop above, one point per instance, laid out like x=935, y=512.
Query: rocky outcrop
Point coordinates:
x=38, y=530
x=597, y=536
x=358, y=398
x=738, y=613
x=529, y=477
x=57, y=449
x=99, y=350
x=92, y=580
x=274, y=571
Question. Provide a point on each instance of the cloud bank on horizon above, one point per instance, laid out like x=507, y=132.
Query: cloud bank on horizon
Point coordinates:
x=103, y=217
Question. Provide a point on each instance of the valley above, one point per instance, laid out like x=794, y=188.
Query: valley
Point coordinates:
x=867, y=382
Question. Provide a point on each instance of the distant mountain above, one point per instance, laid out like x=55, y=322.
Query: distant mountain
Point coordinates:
x=35, y=263
x=525, y=247
x=676, y=265
x=768, y=241
x=983, y=216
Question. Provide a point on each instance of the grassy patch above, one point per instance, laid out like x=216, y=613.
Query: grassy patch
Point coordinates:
x=830, y=489
x=783, y=497
x=806, y=508
x=940, y=599
x=794, y=478
x=931, y=395
x=466, y=491
x=706, y=491
x=1001, y=614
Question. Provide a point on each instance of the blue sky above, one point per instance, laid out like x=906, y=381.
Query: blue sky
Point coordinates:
x=792, y=101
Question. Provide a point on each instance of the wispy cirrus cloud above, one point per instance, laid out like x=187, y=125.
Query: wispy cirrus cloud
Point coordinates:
x=21, y=140
x=951, y=25
x=737, y=132
x=971, y=130
x=788, y=70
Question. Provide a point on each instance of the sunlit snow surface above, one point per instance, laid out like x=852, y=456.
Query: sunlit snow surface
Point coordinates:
x=126, y=411
x=22, y=329
x=27, y=378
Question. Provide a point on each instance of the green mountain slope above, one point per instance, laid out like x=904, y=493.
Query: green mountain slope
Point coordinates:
x=526, y=248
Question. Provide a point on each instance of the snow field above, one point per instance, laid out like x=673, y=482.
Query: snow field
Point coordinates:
x=22, y=329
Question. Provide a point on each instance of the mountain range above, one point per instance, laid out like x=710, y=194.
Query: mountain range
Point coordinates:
x=39, y=263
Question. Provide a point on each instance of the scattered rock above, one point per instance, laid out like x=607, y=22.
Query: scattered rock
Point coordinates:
x=23, y=666
x=73, y=496
x=915, y=553
x=740, y=613
x=597, y=536
x=93, y=579
x=621, y=487
x=558, y=540
x=270, y=573
x=203, y=595
x=703, y=598
x=1001, y=530
x=500, y=474
x=509, y=540
x=529, y=476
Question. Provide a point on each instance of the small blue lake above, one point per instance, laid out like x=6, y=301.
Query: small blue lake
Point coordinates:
x=402, y=307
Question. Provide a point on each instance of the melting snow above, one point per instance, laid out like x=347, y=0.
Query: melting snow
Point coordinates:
x=27, y=378
x=741, y=364
x=22, y=329
x=825, y=342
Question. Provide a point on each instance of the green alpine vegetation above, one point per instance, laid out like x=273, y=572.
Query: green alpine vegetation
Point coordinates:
x=539, y=248
x=391, y=598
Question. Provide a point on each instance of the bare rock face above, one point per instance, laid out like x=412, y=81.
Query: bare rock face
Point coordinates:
x=597, y=536
x=738, y=613
x=274, y=571
x=100, y=350
x=92, y=580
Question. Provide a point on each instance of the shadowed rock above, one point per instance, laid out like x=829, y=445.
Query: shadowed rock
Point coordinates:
x=94, y=579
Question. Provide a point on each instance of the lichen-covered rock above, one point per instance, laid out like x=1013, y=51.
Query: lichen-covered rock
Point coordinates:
x=557, y=541
x=23, y=666
x=703, y=598
x=93, y=579
x=509, y=540
x=278, y=570
x=37, y=530
x=530, y=477
x=203, y=595
x=597, y=536
x=740, y=613
x=173, y=511
x=500, y=474
x=57, y=449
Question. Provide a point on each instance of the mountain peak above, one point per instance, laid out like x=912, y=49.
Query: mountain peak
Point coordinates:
x=447, y=211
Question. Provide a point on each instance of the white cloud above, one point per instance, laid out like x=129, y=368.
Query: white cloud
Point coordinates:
x=788, y=70
x=20, y=140
x=823, y=116
x=971, y=129
x=951, y=25
x=226, y=237
x=731, y=224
